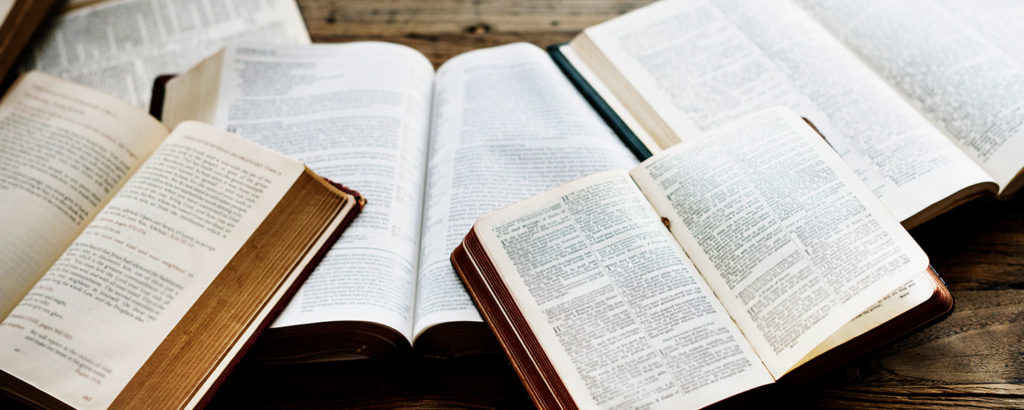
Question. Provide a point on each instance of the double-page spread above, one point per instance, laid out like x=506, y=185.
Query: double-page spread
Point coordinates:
x=714, y=267
x=139, y=262
x=923, y=98
x=432, y=151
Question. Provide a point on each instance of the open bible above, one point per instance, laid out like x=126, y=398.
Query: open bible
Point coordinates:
x=716, y=266
x=139, y=263
x=924, y=99
x=435, y=150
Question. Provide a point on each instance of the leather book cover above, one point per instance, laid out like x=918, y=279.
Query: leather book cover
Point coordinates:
x=21, y=25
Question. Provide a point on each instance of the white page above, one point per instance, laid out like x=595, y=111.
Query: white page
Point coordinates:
x=966, y=83
x=507, y=125
x=998, y=21
x=622, y=314
x=794, y=245
x=121, y=46
x=357, y=114
x=701, y=64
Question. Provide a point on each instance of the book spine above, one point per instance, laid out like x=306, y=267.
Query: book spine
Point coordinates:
x=156, y=101
x=600, y=105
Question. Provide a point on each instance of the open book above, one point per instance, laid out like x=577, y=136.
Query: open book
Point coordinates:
x=139, y=263
x=714, y=267
x=435, y=150
x=924, y=99
x=119, y=46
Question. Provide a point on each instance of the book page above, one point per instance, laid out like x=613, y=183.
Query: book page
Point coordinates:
x=507, y=125
x=357, y=113
x=64, y=151
x=121, y=46
x=793, y=244
x=903, y=299
x=998, y=21
x=700, y=64
x=968, y=83
x=5, y=9
x=94, y=318
x=619, y=310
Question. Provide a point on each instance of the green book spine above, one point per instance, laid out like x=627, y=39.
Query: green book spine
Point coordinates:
x=603, y=109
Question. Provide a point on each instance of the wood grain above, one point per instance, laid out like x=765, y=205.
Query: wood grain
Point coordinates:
x=441, y=29
x=972, y=358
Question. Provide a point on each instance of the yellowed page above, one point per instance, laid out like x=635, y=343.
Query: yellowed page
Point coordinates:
x=620, y=311
x=793, y=244
x=906, y=297
x=94, y=318
x=64, y=151
x=193, y=95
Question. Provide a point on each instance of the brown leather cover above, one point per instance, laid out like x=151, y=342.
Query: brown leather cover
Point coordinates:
x=18, y=29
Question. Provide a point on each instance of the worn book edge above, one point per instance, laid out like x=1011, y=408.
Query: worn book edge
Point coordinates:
x=499, y=310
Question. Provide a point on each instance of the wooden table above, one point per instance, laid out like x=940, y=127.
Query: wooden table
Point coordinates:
x=972, y=357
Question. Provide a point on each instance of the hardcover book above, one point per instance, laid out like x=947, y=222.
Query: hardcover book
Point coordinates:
x=923, y=99
x=439, y=149
x=140, y=263
x=719, y=265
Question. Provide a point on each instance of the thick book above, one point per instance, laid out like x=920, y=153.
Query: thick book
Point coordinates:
x=139, y=263
x=734, y=259
x=438, y=149
x=923, y=99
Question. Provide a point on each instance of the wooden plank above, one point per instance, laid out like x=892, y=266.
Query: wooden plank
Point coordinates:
x=327, y=19
x=442, y=29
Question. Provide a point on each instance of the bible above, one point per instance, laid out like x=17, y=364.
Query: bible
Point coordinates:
x=924, y=99
x=718, y=265
x=139, y=263
x=440, y=149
